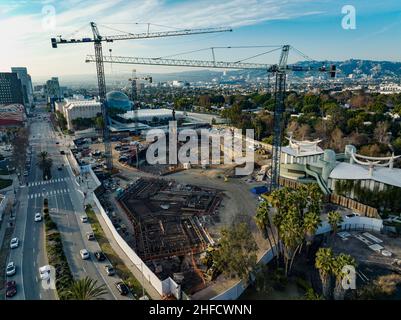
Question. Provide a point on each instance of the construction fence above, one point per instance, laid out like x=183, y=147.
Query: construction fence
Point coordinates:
x=165, y=287
x=363, y=209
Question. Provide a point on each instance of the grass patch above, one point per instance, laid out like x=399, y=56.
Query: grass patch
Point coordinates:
x=121, y=269
x=56, y=256
x=4, y=183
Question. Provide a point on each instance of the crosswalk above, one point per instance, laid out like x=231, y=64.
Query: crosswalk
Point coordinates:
x=44, y=182
x=48, y=193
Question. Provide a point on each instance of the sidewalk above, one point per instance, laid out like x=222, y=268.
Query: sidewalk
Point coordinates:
x=9, y=194
x=133, y=268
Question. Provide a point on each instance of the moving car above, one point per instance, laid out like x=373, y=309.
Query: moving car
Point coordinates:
x=90, y=236
x=44, y=272
x=38, y=217
x=84, y=219
x=84, y=254
x=122, y=288
x=62, y=152
x=109, y=270
x=11, y=289
x=14, y=243
x=99, y=255
x=11, y=269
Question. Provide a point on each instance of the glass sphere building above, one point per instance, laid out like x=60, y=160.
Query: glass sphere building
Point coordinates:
x=118, y=101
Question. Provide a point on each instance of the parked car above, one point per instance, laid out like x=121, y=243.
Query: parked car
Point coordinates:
x=38, y=217
x=84, y=254
x=11, y=289
x=84, y=219
x=11, y=269
x=62, y=152
x=109, y=270
x=44, y=272
x=122, y=288
x=60, y=168
x=90, y=236
x=14, y=243
x=99, y=255
x=351, y=215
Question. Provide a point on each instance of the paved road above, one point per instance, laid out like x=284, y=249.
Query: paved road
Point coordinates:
x=66, y=207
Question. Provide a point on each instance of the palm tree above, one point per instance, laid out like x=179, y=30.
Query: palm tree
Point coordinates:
x=262, y=220
x=341, y=261
x=324, y=262
x=292, y=235
x=45, y=163
x=86, y=289
x=311, y=223
x=335, y=219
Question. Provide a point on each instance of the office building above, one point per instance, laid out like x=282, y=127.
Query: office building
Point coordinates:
x=73, y=109
x=26, y=82
x=53, y=89
x=10, y=89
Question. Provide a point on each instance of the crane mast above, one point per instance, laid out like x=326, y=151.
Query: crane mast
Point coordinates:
x=101, y=79
x=279, y=70
x=98, y=57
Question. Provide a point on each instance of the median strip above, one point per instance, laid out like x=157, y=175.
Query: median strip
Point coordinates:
x=56, y=255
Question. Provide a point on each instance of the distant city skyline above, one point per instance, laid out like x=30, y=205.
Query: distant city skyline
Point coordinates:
x=314, y=27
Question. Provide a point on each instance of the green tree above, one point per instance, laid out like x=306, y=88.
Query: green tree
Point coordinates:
x=263, y=221
x=341, y=274
x=311, y=223
x=236, y=254
x=62, y=121
x=45, y=163
x=99, y=122
x=86, y=289
x=324, y=263
x=335, y=219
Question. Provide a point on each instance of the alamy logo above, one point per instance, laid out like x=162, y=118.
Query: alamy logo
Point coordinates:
x=349, y=277
x=204, y=148
x=48, y=276
x=349, y=20
x=49, y=17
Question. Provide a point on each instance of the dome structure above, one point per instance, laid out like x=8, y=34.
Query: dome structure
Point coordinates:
x=119, y=101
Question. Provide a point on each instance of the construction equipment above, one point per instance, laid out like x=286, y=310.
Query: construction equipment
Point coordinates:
x=279, y=70
x=97, y=40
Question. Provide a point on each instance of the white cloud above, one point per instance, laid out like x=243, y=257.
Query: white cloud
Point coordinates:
x=28, y=43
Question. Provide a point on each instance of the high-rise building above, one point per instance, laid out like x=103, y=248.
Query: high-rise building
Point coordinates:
x=10, y=89
x=26, y=83
x=53, y=89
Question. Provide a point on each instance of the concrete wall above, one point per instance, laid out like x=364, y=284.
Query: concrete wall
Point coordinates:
x=3, y=204
x=166, y=287
x=355, y=223
x=73, y=162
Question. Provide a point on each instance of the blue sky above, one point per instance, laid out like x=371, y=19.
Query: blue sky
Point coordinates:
x=314, y=27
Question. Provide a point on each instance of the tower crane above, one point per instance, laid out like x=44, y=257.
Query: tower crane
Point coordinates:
x=279, y=70
x=97, y=41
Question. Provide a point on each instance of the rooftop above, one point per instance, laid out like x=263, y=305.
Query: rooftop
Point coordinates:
x=348, y=171
x=302, y=148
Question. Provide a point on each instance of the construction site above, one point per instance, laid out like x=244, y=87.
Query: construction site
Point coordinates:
x=168, y=220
